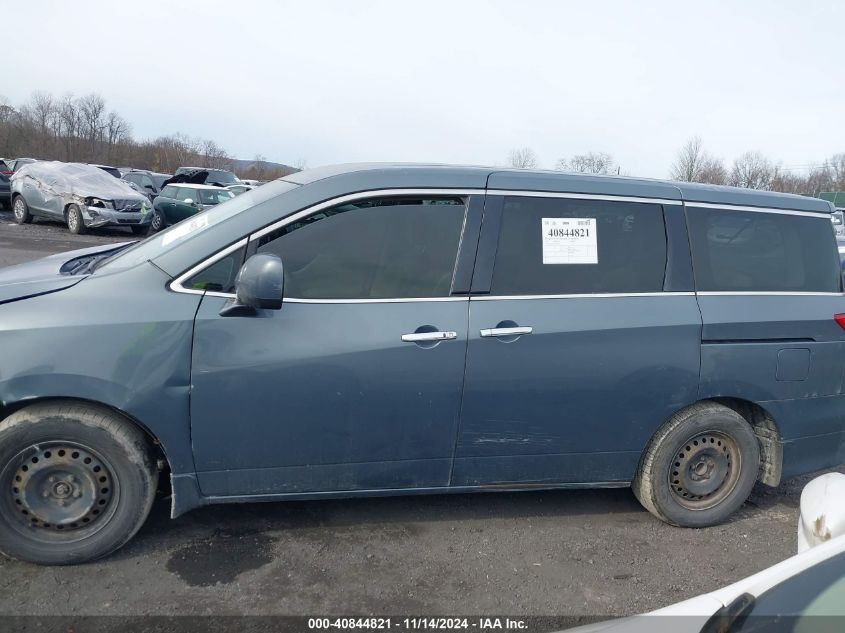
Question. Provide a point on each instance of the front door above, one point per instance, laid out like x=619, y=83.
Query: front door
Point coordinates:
x=580, y=350
x=355, y=384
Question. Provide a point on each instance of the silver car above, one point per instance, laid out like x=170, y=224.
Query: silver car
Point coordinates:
x=81, y=195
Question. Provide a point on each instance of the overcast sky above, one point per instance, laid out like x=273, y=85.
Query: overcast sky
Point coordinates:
x=455, y=81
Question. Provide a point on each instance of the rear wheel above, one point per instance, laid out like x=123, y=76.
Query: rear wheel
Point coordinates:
x=21, y=210
x=76, y=483
x=75, y=223
x=699, y=467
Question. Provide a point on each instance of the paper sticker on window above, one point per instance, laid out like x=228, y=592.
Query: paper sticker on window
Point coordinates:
x=570, y=241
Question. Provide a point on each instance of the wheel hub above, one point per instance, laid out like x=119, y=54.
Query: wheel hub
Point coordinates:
x=705, y=470
x=60, y=487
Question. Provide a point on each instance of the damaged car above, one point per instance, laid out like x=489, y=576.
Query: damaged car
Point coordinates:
x=82, y=196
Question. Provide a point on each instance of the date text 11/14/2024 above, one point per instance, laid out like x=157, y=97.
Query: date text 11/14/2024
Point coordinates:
x=418, y=624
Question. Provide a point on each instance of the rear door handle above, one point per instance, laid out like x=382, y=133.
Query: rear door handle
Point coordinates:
x=506, y=331
x=417, y=337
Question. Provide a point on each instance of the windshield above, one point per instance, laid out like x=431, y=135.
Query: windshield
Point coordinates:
x=181, y=232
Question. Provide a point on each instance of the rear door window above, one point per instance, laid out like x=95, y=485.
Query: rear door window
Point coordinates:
x=752, y=251
x=560, y=246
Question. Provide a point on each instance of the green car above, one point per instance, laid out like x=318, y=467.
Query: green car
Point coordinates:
x=179, y=201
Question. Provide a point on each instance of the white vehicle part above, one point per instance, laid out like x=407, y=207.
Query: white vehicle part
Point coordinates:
x=822, y=515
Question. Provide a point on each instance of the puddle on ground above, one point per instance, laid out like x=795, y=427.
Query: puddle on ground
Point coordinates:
x=220, y=558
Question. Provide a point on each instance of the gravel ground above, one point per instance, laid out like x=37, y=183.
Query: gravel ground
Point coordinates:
x=572, y=553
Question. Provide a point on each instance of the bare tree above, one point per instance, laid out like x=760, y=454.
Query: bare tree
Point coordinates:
x=688, y=164
x=117, y=132
x=258, y=166
x=752, y=170
x=589, y=163
x=214, y=156
x=713, y=171
x=70, y=126
x=301, y=164
x=522, y=158
x=92, y=108
x=694, y=164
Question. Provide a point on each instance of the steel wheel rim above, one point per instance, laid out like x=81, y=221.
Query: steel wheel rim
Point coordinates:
x=705, y=470
x=58, y=492
x=156, y=221
x=72, y=220
x=19, y=209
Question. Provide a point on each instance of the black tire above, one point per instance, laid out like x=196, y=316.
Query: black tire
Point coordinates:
x=75, y=223
x=699, y=467
x=20, y=209
x=74, y=465
x=158, y=223
x=138, y=229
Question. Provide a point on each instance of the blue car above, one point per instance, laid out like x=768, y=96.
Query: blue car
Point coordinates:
x=370, y=330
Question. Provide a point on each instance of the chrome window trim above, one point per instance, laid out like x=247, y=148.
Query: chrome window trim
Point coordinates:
x=377, y=193
x=399, y=300
x=764, y=293
x=603, y=295
x=580, y=196
x=176, y=284
x=727, y=207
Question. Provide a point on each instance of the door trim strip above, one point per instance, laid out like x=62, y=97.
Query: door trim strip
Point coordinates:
x=606, y=295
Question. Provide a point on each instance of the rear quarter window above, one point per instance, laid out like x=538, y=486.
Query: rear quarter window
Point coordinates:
x=752, y=251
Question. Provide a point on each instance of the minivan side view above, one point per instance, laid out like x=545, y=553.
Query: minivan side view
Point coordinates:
x=366, y=330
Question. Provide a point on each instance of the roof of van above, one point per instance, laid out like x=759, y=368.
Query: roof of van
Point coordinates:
x=363, y=176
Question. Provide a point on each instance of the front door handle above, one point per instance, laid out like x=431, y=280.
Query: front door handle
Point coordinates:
x=506, y=331
x=418, y=337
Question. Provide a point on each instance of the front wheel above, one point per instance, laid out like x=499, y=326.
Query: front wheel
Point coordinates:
x=158, y=222
x=21, y=210
x=76, y=483
x=75, y=223
x=699, y=467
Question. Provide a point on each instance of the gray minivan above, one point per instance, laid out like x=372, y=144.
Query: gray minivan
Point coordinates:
x=373, y=330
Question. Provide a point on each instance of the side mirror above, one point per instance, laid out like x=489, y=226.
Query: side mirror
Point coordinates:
x=259, y=286
x=150, y=187
x=188, y=201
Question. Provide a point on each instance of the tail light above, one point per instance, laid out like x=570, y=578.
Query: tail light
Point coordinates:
x=840, y=319
x=5, y=172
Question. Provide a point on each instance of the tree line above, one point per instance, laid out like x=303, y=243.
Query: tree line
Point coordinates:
x=83, y=129
x=693, y=163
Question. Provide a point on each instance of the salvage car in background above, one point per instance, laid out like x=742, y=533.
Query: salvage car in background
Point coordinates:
x=179, y=201
x=219, y=177
x=114, y=171
x=148, y=183
x=82, y=196
x=5, y=186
